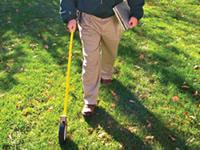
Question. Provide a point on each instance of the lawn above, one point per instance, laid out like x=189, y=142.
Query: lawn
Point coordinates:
x=153, y=103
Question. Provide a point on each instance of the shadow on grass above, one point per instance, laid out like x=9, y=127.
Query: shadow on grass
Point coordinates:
x=11, y=63
x=128, y=140
x=163, y=63
x=40, y=21
x=137, y=110
x=69, y=145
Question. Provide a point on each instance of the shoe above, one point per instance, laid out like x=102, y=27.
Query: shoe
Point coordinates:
x=106, y=81
x=88, y=110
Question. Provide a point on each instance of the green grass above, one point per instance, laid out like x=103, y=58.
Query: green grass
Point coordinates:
x=156, y=62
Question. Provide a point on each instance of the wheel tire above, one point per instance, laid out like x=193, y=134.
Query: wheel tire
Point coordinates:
x=62, y=133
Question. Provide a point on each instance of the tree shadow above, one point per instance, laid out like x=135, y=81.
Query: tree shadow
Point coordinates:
x=11, y=63
x=125, y=137
x=69, y=145
x=159, y=63
x=166, y=137
x=40, y=21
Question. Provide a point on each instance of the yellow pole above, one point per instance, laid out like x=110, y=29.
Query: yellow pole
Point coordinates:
x=68, y=73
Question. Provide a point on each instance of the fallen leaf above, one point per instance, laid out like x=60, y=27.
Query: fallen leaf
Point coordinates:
x=132, y=101
x=175, y=98
x=143, y=96
x=121, y=146
x=192, y=117
x=138, y=67
x=133, y=129
x=50, y=142
x=110, y=124
x=185, y=87
x=50, y=81
x=142, y=56
x=172, y=138
x=149, y=125
x=149, y=138
x=50, y=109
x=196, y=67
x=114, y=94
x=196, y=93
x=19, y=105
x=33, y=102
x=26, y=111
x=155, y=62
x=90, y=130
x=54, y=44
x=186, y=114
x=46, y=46
x=190, y=140
x=10, y=136
x=113, y=105
x=102, y=135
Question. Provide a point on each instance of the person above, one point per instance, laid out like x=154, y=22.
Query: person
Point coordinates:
x=100, y=36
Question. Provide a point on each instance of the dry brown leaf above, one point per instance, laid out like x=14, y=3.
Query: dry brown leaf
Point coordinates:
x=113, y=105
x=149, y=138
x=192, y=117
x=142, y=56
x=133, y=129
x=186, y=114
x=175, y=98
x=121, y=146
x=114, y=94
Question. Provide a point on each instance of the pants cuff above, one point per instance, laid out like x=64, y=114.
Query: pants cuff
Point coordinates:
x=90, y=102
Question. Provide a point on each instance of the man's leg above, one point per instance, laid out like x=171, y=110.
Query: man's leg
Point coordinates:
x=90, y=39
x=110, y=41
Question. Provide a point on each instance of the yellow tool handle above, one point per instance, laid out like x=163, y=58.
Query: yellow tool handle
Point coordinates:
x=68, y=73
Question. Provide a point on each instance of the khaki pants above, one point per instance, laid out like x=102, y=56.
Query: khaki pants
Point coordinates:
x=100, y=39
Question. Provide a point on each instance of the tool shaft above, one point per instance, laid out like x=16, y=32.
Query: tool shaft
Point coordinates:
x=68, y=73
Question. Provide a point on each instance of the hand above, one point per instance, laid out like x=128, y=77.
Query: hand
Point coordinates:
x=71, y=26
x=133, y=22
